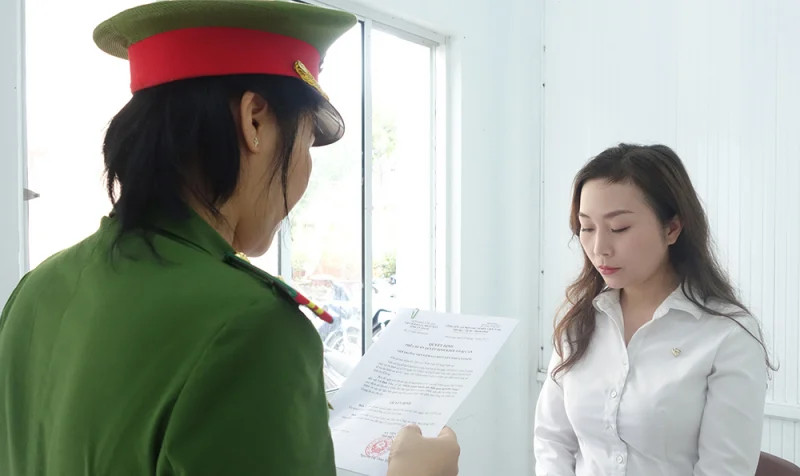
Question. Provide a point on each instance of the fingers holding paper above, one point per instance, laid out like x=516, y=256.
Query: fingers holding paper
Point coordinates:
x=414, y=454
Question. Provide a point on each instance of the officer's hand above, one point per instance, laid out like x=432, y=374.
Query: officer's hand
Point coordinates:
x=414, y=455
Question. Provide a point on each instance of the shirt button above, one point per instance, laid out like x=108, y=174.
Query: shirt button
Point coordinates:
x=613, y=394
x=620, y=459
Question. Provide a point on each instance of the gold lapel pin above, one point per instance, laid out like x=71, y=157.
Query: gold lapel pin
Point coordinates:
x=676, y=351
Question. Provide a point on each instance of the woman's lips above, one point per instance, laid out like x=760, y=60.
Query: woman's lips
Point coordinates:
x=607, y=270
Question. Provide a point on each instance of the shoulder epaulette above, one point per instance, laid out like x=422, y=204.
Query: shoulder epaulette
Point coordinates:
x=239, y=261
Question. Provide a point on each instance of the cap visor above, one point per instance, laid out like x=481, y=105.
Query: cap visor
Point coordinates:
x=329, y=125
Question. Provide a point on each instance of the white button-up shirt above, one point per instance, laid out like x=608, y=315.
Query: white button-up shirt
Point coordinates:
x=685, y=398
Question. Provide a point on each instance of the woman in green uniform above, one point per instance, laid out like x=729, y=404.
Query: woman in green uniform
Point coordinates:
x=153, y=347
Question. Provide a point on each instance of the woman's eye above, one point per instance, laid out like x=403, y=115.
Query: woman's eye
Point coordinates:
x=586, y=230
x=619, y=230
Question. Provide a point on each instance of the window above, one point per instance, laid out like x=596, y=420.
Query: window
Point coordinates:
x=361, y=243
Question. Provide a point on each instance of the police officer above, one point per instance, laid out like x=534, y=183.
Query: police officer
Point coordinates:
x=153, y=346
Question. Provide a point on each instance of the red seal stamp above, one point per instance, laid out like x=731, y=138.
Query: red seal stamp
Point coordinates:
x=378, y=447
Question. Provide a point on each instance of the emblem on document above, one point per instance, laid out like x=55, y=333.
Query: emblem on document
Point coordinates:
x=378, y=447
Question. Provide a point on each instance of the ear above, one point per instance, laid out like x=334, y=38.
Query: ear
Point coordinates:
x=253, y=115
x=674, y=228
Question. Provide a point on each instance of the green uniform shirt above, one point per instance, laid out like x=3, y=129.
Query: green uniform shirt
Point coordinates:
x=131, y=366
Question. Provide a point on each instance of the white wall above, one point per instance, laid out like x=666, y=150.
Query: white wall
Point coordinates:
x=494, y=54
x=11, y=124
x=719, y=82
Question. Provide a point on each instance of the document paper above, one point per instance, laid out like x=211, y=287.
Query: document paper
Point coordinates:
x=420, y=371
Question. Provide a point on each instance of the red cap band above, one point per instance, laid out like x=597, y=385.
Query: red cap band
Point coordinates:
x=216, y=51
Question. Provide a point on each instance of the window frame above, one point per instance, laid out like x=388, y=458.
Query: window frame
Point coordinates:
x=372, y=20
x=13, y=161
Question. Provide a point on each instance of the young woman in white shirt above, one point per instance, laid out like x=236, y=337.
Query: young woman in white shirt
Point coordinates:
x=658, y=369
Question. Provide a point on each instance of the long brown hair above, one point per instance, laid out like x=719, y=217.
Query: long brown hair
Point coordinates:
x=661, y=176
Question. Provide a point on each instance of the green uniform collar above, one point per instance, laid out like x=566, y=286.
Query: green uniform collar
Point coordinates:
x=192, y=230
x=198, y=232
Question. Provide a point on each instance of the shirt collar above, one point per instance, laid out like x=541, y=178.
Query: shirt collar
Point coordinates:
x=197, y=231
x=607, y=299
x=192, y=230
x=677, y=301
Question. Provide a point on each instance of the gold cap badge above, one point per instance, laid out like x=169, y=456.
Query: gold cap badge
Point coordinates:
x=306, y=76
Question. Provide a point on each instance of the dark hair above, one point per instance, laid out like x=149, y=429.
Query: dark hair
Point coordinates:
x=659, y=173
x=181, y=137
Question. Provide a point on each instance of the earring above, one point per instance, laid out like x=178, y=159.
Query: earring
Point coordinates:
x=255, y=141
